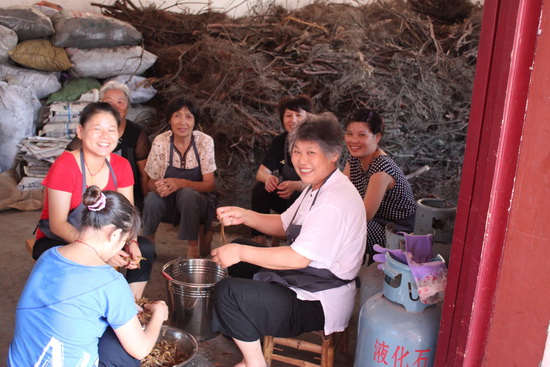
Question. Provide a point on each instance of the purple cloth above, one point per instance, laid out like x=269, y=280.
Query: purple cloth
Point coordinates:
x=430, y=276
x=420, y=246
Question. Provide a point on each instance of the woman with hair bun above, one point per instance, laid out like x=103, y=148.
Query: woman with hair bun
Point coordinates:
x=76, y=310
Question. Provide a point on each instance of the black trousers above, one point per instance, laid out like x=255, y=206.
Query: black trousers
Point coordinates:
x=247, y=309
x=143, y=274
x=264, y=202
x=111, y=352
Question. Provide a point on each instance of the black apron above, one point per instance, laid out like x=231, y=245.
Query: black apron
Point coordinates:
x=75, y=215
x=309, y=278
x=191, y=174
x=126, y=148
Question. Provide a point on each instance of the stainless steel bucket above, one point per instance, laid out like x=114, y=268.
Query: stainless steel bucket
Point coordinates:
x=190, y=284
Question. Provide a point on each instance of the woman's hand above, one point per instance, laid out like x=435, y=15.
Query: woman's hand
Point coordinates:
x=231, y=215
x=226, y=255
x=167, y=186
x=157, y=309
x=119, y=260
x=129, y=259
x=286, y=188
x=134, y=255
x=271, y=183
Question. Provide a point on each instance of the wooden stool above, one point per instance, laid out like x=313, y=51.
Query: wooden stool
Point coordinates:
x=29, y=244
x=325, y=349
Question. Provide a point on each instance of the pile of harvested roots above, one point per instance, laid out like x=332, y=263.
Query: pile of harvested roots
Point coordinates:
x=413, y=61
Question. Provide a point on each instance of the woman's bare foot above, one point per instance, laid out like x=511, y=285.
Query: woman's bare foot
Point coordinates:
x=242, y=364
x=193, y=249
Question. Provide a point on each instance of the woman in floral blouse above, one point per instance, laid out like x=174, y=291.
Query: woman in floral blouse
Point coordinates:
x=181, y=168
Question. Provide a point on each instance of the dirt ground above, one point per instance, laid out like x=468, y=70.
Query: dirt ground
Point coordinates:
x=16, y=264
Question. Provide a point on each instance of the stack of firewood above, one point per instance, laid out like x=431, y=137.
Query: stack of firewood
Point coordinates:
x=413, y=61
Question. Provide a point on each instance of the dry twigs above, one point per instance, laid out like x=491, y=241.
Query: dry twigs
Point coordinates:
x=413, y=63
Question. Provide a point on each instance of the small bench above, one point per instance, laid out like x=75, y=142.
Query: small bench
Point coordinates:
x=29, y=243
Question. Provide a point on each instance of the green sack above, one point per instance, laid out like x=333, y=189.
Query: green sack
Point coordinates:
x=73, y=89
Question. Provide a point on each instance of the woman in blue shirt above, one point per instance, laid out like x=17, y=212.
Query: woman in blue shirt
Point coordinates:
x=72, y=296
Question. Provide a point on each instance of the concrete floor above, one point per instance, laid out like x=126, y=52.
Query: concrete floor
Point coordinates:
x=16, y=264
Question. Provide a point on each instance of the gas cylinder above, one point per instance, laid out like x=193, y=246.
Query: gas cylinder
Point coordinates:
x=395, y=328
x=372, y=279
x=435, y=216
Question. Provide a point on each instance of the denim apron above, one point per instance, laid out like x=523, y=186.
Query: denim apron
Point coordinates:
x=191, y=174
x=309, y=278
x=75, y=215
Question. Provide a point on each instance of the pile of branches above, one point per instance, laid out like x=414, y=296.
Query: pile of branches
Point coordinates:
x=413, y=61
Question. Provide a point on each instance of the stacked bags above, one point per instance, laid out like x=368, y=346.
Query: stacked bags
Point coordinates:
x=59, y=58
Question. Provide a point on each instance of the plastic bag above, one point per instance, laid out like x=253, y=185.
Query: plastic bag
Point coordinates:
x=27, y=22
x=103, y=63
x=43, y=83
x=88, y=30
x=47, y=7
x=140, y=89
x=18, y=110
x=8, y=41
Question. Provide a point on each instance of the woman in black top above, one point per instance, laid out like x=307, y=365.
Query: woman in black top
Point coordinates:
x=278, y=183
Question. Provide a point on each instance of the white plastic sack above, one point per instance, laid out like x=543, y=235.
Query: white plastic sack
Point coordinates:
x=42, y=82
x=47, y=8
x=144, y=116
x=91, y=30
x=8, y=41
x=18, y=111
x=27, y=22
x=140, y=90
x=103, y=63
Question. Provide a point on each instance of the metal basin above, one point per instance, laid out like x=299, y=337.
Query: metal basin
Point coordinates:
x=185, y=343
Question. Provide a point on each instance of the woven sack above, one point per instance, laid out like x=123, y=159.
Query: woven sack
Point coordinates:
x=40, y=55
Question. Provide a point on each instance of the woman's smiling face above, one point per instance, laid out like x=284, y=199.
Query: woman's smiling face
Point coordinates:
x=311, y=163
x=360, y=140
x=291, y=119
x=99, y=134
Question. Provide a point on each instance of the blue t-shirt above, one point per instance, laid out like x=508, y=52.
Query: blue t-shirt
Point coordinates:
x=64, y=309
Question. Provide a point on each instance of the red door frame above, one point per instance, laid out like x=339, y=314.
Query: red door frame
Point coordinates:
x=506, y=49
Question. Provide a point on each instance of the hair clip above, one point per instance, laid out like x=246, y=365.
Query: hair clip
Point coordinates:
x=370, y=116
x=100, y=203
